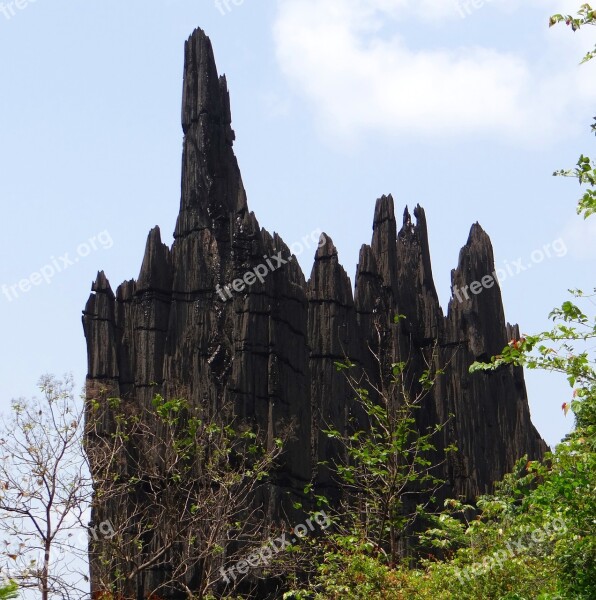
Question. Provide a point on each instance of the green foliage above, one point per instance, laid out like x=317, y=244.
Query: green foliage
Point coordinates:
x=351, y=571
x=533, y=538
x=586, y=15
x=585, y=173
x=541, y=515
x=388, y=479
x=9, y=591
x=386, y=459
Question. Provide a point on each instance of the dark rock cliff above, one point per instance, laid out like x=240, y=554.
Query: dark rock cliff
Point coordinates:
x=269, y=349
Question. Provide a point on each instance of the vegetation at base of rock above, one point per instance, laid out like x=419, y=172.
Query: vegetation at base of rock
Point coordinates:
x=535, y=537
x=384, y=468
x=188, y=488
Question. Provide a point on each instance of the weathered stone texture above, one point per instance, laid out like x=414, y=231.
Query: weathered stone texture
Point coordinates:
x=269, y=350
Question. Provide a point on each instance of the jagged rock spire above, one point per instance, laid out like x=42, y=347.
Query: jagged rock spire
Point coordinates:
x=265, y=353
x=212, y=187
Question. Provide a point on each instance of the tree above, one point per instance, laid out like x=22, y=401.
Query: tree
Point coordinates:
x=388, y=471
x=184, y=497
x=387, y=475
x=44, y=491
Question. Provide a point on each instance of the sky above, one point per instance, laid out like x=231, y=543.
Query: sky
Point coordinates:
x=464, y=107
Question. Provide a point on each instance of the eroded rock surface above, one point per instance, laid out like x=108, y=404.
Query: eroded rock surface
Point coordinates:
x=269, y=350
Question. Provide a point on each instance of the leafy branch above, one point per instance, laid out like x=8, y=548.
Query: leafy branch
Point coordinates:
x=586, y=15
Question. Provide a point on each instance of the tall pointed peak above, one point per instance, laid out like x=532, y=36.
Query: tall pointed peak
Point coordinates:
x=201, y=91
x=212, y=190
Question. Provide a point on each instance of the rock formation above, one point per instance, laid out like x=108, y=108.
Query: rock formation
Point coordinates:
x=269, y=349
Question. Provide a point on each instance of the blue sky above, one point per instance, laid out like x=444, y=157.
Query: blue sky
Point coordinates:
x=467, y=111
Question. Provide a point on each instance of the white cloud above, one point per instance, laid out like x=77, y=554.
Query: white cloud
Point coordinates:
x=339, y=55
